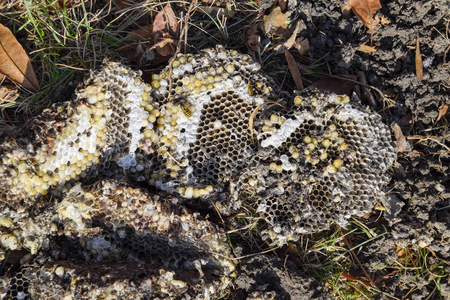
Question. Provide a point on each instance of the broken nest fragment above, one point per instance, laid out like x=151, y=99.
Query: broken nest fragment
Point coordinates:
x=311, y=162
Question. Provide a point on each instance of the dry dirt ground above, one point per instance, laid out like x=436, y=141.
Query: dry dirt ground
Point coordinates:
x=410, y=258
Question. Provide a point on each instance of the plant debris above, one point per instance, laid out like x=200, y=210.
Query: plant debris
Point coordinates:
x=402, y=144
x=442, y=111
x=295, y=72
x=419, y=62
x=165, y=30
x=365, y=10
x=14, y=62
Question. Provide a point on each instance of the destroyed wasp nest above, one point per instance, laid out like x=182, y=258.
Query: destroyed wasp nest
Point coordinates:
x=204, y=131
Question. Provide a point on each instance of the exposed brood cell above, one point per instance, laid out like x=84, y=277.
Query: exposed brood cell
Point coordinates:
x=322, y=162
x=73, y=140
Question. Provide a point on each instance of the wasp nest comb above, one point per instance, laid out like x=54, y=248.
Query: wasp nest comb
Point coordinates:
x=109, y=239
x=203, y=130
x=320, y=162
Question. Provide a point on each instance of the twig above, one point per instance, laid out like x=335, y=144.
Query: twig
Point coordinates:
x=367, y=93
x=425, y=138
x=348, y=243
x=8, y=117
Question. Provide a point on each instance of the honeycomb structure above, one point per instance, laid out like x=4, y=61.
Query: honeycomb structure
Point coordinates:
x=190, y=142
x=203, y=131
x=109, y=239
x=322, y=161
x=75, y=139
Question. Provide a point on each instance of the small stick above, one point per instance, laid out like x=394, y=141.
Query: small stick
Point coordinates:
x=347, y=242
x=367, y=93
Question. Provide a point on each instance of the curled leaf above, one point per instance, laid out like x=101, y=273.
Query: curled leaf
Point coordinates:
x=253, y=39
x=402, y=144
x=275, y=22
x=442, y=111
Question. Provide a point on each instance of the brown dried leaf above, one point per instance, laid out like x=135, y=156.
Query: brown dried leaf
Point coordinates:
x=290, y=41
x=295, y=72
x=442, y=111
x=8, y=94
x=165, y=27
x=419, y=63
x=253, y=39
x=275, y=20
x=302, y=45
x=384, y=21
x=366, y=49
x=137, y=47
x=402, y=144
x=414, y=154
x=14, y=61
x=282, y=4
x=353, y=278
x=365, y=10
x=64, y=3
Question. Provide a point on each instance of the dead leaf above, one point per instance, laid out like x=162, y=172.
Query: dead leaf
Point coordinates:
x=366, y=49
x=64, y=3
x=384, y=21
x=253, y=39
x=353, y=278
x=290, y=41
x=137, y=46
x=8, y=93
x=365, y=10
x=14, y=61
x=274, y=21
x=336, y=85
x=414, y=154
x=442, y=111
x=295, y=72
x=419, y=63
x=165, y=29
x=402, y=144
x=302, y=45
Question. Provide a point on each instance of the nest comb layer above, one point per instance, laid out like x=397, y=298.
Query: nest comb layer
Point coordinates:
x=317, y=162
x=111, y=240
x=321, y=162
